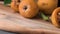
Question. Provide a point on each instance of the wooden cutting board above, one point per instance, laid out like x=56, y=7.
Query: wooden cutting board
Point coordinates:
x=14, y=22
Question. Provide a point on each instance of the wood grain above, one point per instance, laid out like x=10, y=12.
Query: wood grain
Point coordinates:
x=14, y=22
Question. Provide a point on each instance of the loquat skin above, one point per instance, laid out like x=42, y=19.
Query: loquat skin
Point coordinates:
x=54, y=17
x=28, y=8
x=47, y=6
x=15, y=5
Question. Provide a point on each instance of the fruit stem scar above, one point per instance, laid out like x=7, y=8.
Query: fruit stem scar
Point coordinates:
x=18, y=1
x=25, y=7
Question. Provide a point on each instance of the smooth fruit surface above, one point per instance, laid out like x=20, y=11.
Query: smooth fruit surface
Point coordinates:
x=54, y=17
x=28, y=8
x=15, y=5
x=47, y=6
